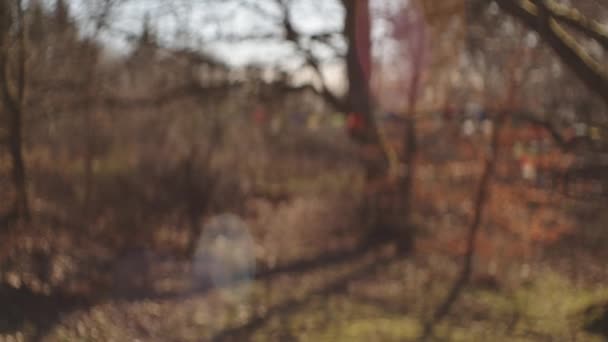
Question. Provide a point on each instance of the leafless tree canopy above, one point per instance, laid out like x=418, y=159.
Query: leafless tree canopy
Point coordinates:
x=277, y=170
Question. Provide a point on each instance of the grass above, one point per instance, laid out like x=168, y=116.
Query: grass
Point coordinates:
x=547, y=308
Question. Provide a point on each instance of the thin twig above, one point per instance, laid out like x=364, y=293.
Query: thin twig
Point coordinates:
x=482, y=194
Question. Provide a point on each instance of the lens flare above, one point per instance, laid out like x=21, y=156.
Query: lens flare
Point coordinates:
x=225, y=256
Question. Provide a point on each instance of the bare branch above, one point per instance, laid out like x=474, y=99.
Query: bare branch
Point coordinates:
x=588, y=70
x=566, y=145
x=259, y=10
x=311, y=60
x=576, y=20
x=325, y=39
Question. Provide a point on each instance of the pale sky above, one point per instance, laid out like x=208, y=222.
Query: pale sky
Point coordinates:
x=192, y=23
x=189, y=21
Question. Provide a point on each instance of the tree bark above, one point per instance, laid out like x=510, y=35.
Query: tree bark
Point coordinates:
x=13, y=100
x=89, y=140
x=357, y=31
x=21, y=206
x=409, y=155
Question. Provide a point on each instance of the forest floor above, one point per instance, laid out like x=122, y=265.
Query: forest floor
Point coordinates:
x=315, y=281
x=318, y=285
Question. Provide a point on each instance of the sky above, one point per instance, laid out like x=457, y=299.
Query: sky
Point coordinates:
x=180, y=20
x=188, y=22
x=193, y=24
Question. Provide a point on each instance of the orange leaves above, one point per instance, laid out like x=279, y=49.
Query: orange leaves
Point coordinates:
x=548, y=226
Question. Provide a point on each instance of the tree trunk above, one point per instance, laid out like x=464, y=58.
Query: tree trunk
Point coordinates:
x=88, y=164
x=410, y=146
x=357, y=31
x=409, y=159
x=13, y=98
x=18, y=170
x=89, y=139
x=379, y=209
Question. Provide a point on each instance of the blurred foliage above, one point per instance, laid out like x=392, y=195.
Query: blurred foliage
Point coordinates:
x=127, y=155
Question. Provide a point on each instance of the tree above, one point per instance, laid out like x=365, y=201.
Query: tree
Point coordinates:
x=13, y=83
x=36, y=27
x=348, y=44
x=549, y=20
x=62, y=16
x=576, y=37
x=409, y=29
